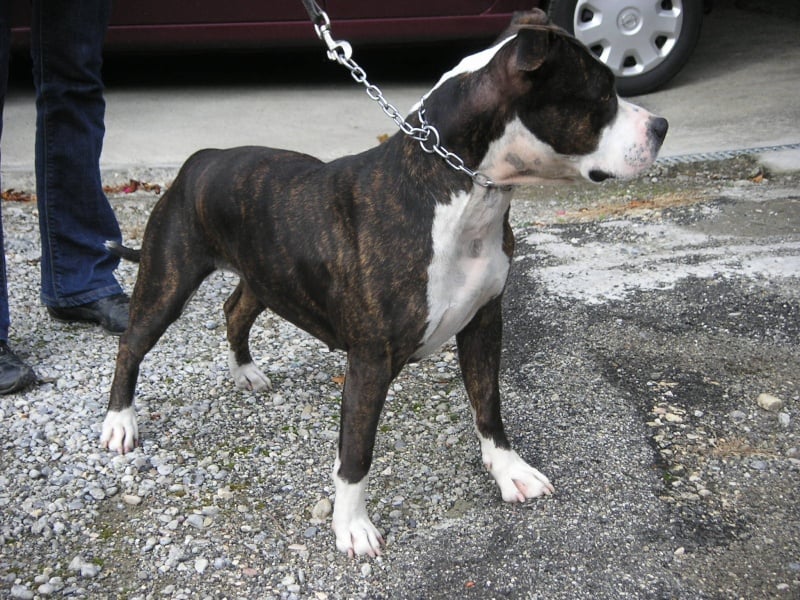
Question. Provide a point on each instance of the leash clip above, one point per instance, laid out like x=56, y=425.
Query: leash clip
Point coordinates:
x=338, y=50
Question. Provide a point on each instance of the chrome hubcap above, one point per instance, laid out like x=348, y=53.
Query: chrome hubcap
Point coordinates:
x=631, y=40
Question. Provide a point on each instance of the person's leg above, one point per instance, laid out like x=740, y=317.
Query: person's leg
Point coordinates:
x=75, y=216
x=14, y=374
x=5, y=41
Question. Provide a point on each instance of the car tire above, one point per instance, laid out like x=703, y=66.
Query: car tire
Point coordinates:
x=645, y=46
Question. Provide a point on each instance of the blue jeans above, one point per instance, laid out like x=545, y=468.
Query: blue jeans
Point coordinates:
x=75, y=218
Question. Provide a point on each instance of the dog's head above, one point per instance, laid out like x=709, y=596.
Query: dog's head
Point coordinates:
x=538, y=105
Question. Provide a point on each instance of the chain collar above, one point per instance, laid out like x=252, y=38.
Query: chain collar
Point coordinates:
x=427, y=135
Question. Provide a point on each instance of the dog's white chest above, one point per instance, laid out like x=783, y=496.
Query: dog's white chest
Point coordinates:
x=468, y=268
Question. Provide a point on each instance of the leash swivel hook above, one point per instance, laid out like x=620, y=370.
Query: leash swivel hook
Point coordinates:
x=338, y=50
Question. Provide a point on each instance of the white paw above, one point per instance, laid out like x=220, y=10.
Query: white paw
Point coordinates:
x=248, y=376
x=355, y=533
x=518, y=480
x=120, y=431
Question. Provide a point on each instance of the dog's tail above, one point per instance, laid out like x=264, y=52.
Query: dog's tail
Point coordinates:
x=123, y=252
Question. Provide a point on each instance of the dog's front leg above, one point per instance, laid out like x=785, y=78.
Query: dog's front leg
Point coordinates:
x=366, y=384
x=479, y=346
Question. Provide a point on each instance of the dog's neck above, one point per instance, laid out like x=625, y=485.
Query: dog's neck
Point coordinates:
x=465, y=106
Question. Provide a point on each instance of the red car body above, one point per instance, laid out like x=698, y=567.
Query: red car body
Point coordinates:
x=245, y=24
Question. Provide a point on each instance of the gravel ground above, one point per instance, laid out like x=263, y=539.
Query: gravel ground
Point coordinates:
x=640, y=401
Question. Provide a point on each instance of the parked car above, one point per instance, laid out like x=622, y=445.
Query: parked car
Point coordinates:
x=645, y=42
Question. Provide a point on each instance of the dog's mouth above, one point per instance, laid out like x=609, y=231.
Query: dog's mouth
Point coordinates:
x=597, y=175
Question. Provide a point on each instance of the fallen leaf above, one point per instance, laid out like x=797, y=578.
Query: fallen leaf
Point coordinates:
x=12, y=195
x=338, y=379
x=132, y=186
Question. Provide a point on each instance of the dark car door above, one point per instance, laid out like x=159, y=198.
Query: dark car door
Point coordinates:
x=369, y=9
x=200, y=12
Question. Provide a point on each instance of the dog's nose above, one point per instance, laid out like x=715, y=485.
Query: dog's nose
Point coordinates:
x=658, y=129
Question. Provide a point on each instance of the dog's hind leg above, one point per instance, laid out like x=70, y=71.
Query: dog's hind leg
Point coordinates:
x=241, y=311
x=165, y=284
x=479, y=345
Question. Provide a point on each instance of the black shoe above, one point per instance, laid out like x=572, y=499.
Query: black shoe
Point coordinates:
x=110, y=313
x=15, y=375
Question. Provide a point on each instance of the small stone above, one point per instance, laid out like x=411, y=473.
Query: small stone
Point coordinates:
x=366, y=570
x=89, y=570
x=200, y=565
x=46, y=589
x=196, y=521
x=769, y=402
x=322, y=509
x=20, y=591
x=97, y=493
x=131, y=499
x=738, y=416
x=680, y=551
x=76, y=563
x=758, y=465
x=57, y=583
x=793, y=452
x=784, y=419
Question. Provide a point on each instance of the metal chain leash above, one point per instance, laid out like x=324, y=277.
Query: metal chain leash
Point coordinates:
x=427, y=135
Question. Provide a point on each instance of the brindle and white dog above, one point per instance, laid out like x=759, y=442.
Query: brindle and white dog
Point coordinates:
x=389, y=253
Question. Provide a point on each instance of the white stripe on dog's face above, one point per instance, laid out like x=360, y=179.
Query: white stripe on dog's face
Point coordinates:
x=469, y=64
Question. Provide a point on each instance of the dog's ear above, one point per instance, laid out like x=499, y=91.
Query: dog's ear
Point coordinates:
x=533, y=46
x=523, y=18
x=534, y=16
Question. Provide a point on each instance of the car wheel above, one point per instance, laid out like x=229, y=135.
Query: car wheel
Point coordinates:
x=644, y=43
